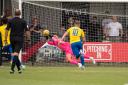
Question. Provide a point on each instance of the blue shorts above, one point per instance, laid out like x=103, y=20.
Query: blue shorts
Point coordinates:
x=8, y=49
x=76, y=47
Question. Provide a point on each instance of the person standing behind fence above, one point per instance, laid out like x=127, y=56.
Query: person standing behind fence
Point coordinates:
x=105, y=23
x=35, y=31
x=7, y=14
x=77, y=36
x=94, y=30
x=17, y=27
x=115, y=30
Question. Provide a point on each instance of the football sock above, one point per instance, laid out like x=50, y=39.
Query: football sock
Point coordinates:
x=18, y=64
x=13, y=66
x=82, y=60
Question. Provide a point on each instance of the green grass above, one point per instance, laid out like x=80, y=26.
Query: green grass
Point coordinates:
x=65, y=76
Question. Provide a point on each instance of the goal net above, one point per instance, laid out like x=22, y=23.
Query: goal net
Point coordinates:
x=58, y=17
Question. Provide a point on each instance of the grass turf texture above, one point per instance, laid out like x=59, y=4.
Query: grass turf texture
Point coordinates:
x=65, y=76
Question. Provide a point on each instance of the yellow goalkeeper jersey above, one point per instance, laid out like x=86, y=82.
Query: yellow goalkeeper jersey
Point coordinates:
x=2, y=31
x=75, y=34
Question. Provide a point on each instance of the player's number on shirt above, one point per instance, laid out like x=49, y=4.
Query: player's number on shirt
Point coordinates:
x=75, y=32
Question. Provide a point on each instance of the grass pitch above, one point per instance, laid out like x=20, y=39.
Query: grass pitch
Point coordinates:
x=65, y=76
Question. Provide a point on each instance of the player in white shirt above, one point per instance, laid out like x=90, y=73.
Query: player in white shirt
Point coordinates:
x=115, y=30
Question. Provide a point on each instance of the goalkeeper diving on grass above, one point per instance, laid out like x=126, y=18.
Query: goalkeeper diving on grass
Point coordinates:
x=66, y=47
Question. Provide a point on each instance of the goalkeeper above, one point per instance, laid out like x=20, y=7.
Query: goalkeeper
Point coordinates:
x=66, y=47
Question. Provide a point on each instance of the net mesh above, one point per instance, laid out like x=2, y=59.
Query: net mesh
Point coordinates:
x=58, y=16
x=15, y=5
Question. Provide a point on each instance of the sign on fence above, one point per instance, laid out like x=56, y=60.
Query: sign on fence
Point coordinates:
x=107, y=52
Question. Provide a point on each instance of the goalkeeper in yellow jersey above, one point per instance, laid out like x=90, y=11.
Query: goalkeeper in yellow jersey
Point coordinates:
x=6, y=46
x=77, y=38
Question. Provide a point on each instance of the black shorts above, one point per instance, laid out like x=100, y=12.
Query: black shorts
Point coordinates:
x=17, y=43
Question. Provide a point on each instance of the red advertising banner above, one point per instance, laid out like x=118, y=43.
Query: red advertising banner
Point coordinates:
x=107, y=51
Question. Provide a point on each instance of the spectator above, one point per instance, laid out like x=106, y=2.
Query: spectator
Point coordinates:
x=115, y=30
x=105, y=23
x=35, y=31
x=94, y=31
x=62, y=30
x=125, y=35
x=27, y=37
x=7, y=14
x=70, y=21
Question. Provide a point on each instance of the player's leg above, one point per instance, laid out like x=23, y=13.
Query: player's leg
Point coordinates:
x=10, y=51
x=80, y=52
x=20, y=58
x=18, y=47
x=90, y=58
x=13, y=66
x=16, y=62
x=82, y=59
x=76, y=51
x=70, y=59
x=13, y=59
